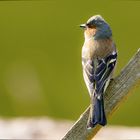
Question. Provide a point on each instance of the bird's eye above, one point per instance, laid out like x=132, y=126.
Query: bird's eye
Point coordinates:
x=91, y=26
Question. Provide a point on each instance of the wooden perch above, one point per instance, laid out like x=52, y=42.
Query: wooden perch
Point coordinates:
x=117, y=91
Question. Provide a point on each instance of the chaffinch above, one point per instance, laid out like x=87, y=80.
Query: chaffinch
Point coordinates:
x=99, y=58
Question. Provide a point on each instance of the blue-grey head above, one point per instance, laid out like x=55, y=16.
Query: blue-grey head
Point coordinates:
x=97, y=27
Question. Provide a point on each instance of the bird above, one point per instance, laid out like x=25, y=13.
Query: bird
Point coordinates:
x=99, y=58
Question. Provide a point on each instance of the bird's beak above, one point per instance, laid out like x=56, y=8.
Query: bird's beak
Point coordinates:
x=83, y=26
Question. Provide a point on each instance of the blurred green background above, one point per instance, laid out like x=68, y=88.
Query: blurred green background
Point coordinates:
x=40, y=56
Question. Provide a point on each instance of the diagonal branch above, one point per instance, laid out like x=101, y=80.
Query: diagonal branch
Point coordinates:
x=117, y=91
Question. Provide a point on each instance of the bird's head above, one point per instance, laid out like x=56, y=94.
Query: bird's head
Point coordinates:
x=96, y=27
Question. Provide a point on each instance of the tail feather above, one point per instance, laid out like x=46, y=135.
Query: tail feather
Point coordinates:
x=97, y=113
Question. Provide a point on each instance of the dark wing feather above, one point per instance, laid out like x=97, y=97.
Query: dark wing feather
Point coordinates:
x=96, y=77
x=103, y=72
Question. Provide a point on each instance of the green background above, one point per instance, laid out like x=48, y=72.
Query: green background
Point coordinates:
x=40, y=56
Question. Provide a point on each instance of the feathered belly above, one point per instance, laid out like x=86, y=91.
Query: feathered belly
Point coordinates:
x=97, y=49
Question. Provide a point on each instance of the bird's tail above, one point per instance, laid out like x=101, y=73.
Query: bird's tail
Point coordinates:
x=97, y=113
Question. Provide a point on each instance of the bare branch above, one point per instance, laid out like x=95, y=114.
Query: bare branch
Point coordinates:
x=117, y=91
